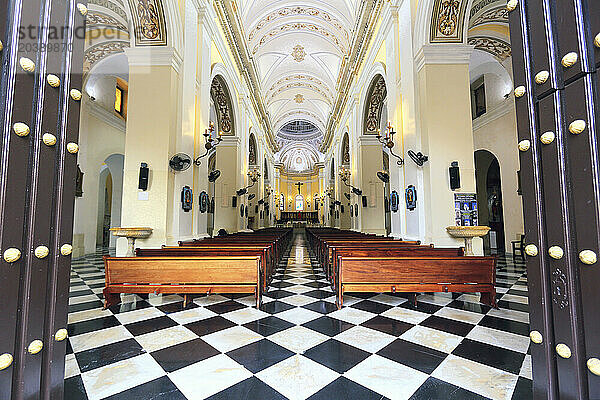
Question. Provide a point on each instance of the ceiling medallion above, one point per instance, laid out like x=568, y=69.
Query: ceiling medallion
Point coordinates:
x=299, y=53
x=299, y=99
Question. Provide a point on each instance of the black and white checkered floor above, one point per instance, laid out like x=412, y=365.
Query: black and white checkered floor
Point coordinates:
x=298, y=345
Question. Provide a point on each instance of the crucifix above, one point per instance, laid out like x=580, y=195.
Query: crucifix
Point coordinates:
x=299, y=184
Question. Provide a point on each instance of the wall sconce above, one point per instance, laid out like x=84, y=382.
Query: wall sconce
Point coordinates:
x=388, y=141
x=418, y=158
x=345, y=176
x=210, y=144
x=254, y=175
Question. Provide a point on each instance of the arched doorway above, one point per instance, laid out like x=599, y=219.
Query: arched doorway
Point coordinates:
x=489, y=199
x=253, y=192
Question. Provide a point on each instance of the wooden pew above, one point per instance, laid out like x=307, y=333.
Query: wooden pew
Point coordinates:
x=267, y=264
x=181, y=275
x=373, y=273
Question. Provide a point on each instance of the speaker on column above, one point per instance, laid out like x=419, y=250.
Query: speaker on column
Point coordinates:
x=454, y=176
x=144, y=173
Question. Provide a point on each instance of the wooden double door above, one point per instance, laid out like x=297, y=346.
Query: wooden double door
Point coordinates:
x=40, y=94
x=556, y=54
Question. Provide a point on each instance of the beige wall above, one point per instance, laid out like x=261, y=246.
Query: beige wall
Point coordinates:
x=445, y=108
x=100, y=136
x=497, y=134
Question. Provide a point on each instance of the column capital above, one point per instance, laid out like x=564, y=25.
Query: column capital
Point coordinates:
x=154, y=56
x=456, y=53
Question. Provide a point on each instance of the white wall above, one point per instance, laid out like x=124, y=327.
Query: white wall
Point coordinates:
x=101, y=134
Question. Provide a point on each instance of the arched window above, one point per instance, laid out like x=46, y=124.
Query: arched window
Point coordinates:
x=299, y=203
x=282, y=202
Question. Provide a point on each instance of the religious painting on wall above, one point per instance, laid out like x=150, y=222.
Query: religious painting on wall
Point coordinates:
x=394, y=201
x=465, y=207
x=186, y=199
x=411, y=198
x=204, y=202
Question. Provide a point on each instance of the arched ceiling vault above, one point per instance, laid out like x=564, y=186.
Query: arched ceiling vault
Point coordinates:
x=299, y=56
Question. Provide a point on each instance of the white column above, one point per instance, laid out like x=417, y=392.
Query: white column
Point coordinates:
x=447, y=134
x=152, y=129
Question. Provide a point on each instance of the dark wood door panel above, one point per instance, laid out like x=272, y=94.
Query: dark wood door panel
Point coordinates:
x=567, y=31
x=542, y=45
x=37, y=182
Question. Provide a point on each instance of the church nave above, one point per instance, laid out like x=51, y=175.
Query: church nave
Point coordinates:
x=298, y=345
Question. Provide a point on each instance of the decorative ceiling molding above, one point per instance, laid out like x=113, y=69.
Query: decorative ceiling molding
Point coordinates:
x=109, y=5
x=298, y=114
x=298, y=77
x=298, y=11
x=232, y=28
x=301, y=85
x=149, y=22
x=447, y=21
x=94, y=19
x=499, y=15
x=368, y=16
x=98, y=52
x=496, y=47
x=301, y=27
x=299, y=53
x=477, y=6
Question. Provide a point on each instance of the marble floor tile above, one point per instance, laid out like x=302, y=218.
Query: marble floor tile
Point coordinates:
x=111, y=379
x=481, y=379
x=365, y=339
x=298, y=339
x=393, y=380
x=298, y=299
x=193, y=315
x=99, y=338
x=352, y=315
x=298, y=315
x=139, y=315
x=297, y=377
x=205, y=378
x=71, y=366
x=232, y=338
x=405, y=315
x=460, y=315
x=165, y=338
x=245, y=315
x=510, y=314
x=500, y=338
x=87, y=314
x=433, y=338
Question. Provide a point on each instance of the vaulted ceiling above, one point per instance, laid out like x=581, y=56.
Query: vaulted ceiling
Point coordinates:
x=298, y=48
x=488, y=28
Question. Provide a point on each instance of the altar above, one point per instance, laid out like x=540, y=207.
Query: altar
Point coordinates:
x=311, y=217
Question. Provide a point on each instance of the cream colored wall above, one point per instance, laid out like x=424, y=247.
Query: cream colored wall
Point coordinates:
x=151, y=129
x=372, y=217
x=446, y=130
x=98, y=139
x=499, y=137
x=310, y=186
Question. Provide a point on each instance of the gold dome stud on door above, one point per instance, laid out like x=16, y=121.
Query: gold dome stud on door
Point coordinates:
x=53, y=80
x=563, y=350
x=511, y=5
x=531, y=250
x=75, y=94
x=569, y=59
x=49, y=139
x=21, y=129
x=542, y=77
x=12, y=255
x=556, y=252
x=35, y=347
x=66, y=249
x=83, y=10
x=73, y=148
x=548, y=137
x=588, y=257
x=5, y=361
x=577, y=126
x=61, y=335
x=520, y=91
x=41, y=252
x=536, y=337
x=593, y=365
x=524, y=145
x=27, y=64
